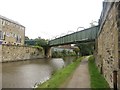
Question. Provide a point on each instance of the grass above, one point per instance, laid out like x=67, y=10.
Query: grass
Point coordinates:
x=97, y=80
x=60, y=76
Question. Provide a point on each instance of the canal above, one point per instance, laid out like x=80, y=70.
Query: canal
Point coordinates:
x=24, y=74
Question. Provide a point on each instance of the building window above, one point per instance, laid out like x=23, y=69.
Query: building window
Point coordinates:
x=1, y=35
x=8, y=23
x=18, y=39
x=3, y=22
x=7, y=34
x=20, y=27
x=4, y=35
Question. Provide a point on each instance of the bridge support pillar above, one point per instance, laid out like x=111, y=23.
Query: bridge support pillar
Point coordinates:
x=48, y=52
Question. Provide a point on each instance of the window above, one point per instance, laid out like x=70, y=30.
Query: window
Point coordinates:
x=8, y=23
x=4, y=35
x=8, y=34
x=3, y=22
x=22, y=28
x=18, y=39
x=0, y=35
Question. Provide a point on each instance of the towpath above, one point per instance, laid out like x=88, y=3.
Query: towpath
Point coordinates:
x=80, y=78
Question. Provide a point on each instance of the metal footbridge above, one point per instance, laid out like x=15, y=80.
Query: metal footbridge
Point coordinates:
x=86, y=35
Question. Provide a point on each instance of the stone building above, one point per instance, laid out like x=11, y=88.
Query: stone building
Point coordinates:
x=108, y=43
x=12, y=36
x=11, y=32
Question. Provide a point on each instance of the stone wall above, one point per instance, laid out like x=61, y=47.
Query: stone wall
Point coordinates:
x=15, y=53
x=13, y=33
x=118, y=24
x=119, y=78
x=107, y=46
x=0, y=53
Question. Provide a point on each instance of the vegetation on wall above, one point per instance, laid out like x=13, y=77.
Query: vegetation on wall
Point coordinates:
x=39, y=48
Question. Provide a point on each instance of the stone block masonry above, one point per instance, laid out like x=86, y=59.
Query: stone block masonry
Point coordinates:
x=119, y=79
x=17, y=53
x=107, y=43
x=0, y=53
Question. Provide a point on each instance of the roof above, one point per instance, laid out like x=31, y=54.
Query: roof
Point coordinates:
x=15, y=22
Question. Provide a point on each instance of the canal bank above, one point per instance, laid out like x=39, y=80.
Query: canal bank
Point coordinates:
x=86, y=75
x=60, y=76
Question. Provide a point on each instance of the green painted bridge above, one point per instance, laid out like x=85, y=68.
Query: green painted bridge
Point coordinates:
x=86, y=35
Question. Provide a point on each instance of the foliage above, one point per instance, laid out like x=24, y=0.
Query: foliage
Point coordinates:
x=39, y=48
x=30, y=42
x=97, y=80
x=71, y=53
x=41, y=42
x=63, y=53
x=60, y=76
x=37, y=42
x=56, y=54
x=26, y=38
x=77, y=50
x=86, y=48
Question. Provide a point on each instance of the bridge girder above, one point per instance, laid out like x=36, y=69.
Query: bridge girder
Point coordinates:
x=87, y=35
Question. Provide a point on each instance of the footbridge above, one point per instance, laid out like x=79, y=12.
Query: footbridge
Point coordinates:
x=86, y=35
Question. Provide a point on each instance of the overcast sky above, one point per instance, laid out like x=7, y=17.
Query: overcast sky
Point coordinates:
x=50, y=18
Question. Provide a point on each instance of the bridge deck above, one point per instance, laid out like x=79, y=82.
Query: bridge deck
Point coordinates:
x=86, y=35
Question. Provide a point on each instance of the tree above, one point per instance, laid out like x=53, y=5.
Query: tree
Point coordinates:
x=76, y=50
x=64, y=52
x=41, y=42
x=37, y=42
x=86, y=48
x=26, y=38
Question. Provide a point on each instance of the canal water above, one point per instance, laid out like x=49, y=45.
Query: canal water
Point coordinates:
x=24, y=74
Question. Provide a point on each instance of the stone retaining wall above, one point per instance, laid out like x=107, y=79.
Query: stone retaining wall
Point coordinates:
x=0, y=53
x=119, y=79
x=118, y=24
x=15, y=53
x=108, y=45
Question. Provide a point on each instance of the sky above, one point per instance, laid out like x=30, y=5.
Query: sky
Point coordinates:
x=51, y=18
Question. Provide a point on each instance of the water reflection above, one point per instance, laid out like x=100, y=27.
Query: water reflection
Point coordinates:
x=69, y=60
x=57, y=63
x=24, y=74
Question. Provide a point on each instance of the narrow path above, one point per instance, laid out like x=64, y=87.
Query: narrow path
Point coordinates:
x=80, y=78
